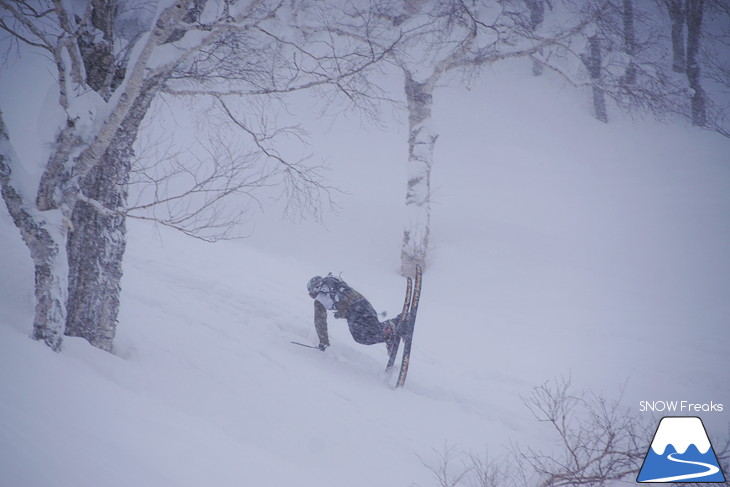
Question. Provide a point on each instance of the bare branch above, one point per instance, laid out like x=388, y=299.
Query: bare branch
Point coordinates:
x=599, y=442
x=23, y=20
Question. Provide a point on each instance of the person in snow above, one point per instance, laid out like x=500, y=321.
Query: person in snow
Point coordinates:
x=332, y=293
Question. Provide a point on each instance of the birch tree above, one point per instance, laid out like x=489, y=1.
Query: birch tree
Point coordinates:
x=442, y=37
x=593, y=61
x=111, y=61
x=629, y=35
x=87, y=128
x=675, y=8
x=695, y=12
x=636, y=74
x=537, y=16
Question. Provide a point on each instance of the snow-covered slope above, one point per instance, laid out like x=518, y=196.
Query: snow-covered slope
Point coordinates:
x=562, y=247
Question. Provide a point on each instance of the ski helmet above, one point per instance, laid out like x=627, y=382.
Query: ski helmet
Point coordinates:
x=313, y=285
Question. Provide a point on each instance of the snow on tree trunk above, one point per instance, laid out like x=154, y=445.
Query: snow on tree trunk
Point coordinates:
x=48, y=255
x=97, y=243
x=95, y=250
x=51, y=275
x=421, y=140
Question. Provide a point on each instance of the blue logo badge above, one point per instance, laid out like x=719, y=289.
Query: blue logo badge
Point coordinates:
x=680, y=452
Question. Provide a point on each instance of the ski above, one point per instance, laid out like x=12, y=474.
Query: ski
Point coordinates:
x=409, y=324
x=404, y=316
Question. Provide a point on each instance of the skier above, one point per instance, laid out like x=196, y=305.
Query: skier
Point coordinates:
x=332, y=293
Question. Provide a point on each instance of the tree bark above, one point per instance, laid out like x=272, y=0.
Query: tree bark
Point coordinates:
x=421, y=141
x=695, y=11
x=629, y=41
x=676, y=17
x=97, y=243
x=537, y=17
x=95, y=250
x=96, y=46
x=47, y=253
x=593, y=62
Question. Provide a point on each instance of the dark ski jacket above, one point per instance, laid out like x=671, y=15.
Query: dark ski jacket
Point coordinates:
x=362, y=319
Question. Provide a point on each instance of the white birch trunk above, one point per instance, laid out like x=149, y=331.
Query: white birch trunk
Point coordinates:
x=82, y=145
x=97, y=243
x=421, y=140
x=45, y=242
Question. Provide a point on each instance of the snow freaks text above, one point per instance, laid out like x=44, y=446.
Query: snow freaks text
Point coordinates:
x=680, y=407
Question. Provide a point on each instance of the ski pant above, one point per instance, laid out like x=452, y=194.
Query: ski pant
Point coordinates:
x=362, y=320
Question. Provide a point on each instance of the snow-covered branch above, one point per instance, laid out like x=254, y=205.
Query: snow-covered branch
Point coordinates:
x=130, y=90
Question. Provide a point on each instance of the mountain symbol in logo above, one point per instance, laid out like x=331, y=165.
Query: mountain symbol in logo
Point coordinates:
x=680, y=452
